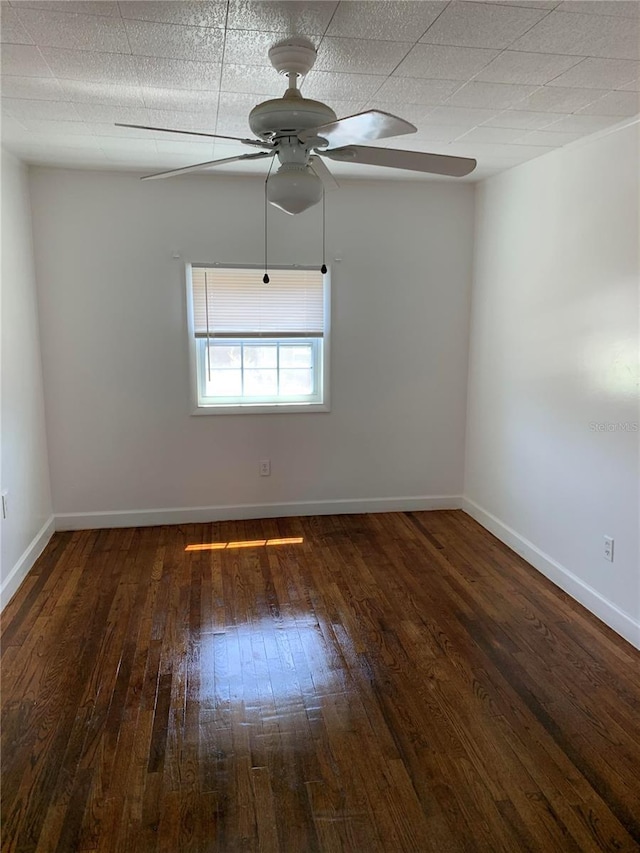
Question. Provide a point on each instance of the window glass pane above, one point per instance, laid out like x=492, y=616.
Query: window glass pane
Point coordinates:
x=224, y=356
x=295, y=356
x=296, y=381
x=261, y=356
x=224, y=383
x=260, y=382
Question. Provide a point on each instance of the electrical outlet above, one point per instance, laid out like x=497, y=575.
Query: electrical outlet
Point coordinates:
x=608, y=548
x=265, y=468
x=5, y=504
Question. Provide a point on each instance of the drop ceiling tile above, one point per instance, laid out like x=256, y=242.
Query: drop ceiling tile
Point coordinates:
x=85, y=142
x=64, y=158
x=528, y=4
x=201, y=44
x=522, y=119
x=384, y=19
x=36, y=88
x=360, y=56
x=460, y=116
x=176, y=73
x=23, y=60
x=90, y=65
x=12, y=127
x=181, y=100
x=502, y=135
x=546, y=137
x=48, y=110
x=412, y=90
x=559, y=100
x=113, y=144
x=495, y=96
x=289, y=17
x=582, y=35
x=428, y=136
x=204, y=122
x=88, y=7
x=59, y=128
x=190, y=14
x=623, y=8
x=614, y=104
x=81, y=32
x=582, y=123
x=496, y=151
x=12, y=31
x=92, y=92
x=236, y=103
x=252, y=78
x=250, y=47
x=593, y=73
x=518, y=67
x=444, y=63
x=481, y=25
x=326, y=86
x=112, y=113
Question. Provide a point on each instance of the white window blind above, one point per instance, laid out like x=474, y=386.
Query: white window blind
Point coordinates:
x=232, y=303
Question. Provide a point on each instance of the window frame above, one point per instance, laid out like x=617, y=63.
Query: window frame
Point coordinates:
x=321, y=364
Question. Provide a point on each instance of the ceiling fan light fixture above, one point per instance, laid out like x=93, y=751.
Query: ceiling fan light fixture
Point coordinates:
x=294, y=188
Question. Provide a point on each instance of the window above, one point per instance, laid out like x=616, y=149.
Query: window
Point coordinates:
x=258, y=347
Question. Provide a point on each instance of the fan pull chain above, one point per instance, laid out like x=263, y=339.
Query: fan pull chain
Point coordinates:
x=265, y=277
x=323, y=268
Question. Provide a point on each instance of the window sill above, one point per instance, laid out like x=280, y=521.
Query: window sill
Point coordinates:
x=266, y=409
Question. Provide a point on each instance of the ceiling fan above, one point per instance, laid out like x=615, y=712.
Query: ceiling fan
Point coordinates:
x=300, y=131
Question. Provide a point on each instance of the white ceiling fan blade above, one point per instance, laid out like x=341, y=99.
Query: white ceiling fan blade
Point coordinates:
x=362, y=127
x=394, y=158
x=197, y=166
x=257, y=142
x=323, y=173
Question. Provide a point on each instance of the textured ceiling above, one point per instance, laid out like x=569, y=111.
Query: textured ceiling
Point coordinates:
x=502, y=82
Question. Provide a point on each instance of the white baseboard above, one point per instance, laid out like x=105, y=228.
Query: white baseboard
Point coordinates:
x=622, y=623
x=21, y=569
x=203, y=514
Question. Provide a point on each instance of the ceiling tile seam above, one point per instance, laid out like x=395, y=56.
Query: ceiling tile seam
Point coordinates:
x=480, y=70
x=326, y=29
x=571, y=68
x=556, y=8
x=567, y=55
x=121, y=17
x=17, y=6
x=140, y=89
x=393, y=70
x=599, y=14
x=441, y=12
x=546, y=14
x=501, y=4
x=224, y=47
x=175, y=23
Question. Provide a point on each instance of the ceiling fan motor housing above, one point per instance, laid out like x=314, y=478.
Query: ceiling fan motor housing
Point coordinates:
x=290, y=113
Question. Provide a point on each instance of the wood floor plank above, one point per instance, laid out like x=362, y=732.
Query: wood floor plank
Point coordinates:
x=390, y=683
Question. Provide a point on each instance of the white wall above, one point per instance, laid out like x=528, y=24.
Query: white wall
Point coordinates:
x=25, y=469
x=115, y=346
x=554, y=350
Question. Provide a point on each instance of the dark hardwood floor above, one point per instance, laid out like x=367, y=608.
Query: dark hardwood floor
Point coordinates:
x=392, y=682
